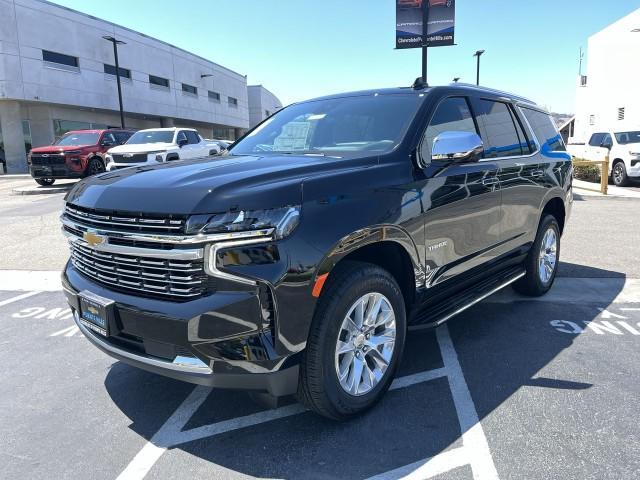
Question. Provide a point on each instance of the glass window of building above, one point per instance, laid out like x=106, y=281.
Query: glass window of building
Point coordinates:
x=158, y=81
x=111, y=70
x=214, y=96
x=233, y=102
x=60, y=60
x=189, y=89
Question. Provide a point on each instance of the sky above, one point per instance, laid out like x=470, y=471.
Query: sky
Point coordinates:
x=301, y=49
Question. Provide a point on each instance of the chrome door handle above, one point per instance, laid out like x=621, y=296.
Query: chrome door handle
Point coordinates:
x=537, y=173
x=489, y=181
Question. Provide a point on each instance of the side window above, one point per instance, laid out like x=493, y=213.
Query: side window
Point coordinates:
x=181, y=137
x=452, y=114
x=596, y=139
x=122, y=137
x=607, y=140
x=545, y=130
x=192, y=137
x=497, y=129
x=526, y=142
x=109, y=138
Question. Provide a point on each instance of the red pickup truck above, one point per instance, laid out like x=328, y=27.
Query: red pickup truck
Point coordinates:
x=76, y=154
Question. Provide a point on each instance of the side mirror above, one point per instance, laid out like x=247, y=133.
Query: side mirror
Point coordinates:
x=182, y=142
x=457, y=147
x=107, y=143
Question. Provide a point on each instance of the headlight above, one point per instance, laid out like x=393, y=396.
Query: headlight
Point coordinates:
x=634, y=154
x=283, y=221
x=156, y=151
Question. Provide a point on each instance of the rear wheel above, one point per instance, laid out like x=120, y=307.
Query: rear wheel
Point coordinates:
x=542, y=260
x=95, y=167
x=355, y=343
x=45, y=182
x=619, y=175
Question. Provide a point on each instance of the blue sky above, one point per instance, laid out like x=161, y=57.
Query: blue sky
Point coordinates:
x=306, y=48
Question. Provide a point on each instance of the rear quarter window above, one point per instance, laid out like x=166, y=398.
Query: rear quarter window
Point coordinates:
x=544, y=130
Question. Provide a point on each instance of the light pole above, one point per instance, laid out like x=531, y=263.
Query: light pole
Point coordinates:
x=478, y=54
x=115, y=54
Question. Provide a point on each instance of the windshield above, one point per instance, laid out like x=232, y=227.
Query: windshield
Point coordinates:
x=628, y=137
x=157, y=136
x=338, y=126
x=71, y=139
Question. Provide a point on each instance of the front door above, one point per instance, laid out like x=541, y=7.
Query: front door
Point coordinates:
x=461, y=201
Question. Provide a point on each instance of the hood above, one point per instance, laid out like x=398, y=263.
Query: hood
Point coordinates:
x=208, y=186
x=59, y=148
x=140, y=147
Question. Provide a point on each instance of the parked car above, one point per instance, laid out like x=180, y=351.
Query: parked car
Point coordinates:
x=622, y=148
x=77, y=154
x=157, y=145
x=224, y=144
x=297, y=263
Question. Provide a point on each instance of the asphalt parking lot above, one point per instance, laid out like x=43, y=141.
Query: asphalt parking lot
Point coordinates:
x=511, y=388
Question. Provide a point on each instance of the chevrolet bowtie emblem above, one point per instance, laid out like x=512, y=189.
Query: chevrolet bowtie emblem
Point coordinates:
x=94, y=239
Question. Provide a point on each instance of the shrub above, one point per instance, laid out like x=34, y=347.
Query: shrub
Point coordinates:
x=589, y=173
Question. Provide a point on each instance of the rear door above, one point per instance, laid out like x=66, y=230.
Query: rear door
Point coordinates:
x=461, y=201
x=193, y=148
x=507, y=144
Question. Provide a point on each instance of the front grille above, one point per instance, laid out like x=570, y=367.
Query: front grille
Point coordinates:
x=135, y=158
x=48, y=160
x=154, y=277
x=126, y=221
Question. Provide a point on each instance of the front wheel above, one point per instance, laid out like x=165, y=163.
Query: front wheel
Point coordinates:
x=542, y=261
x=95, y=167
x=355, y=342
x=45, y=182
x=619, y=175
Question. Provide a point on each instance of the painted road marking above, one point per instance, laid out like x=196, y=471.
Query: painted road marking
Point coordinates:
x=20, y=280
x=475, y=451
x=606, y=323
x=18, y=298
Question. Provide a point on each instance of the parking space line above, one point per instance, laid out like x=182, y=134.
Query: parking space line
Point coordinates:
x=17, y=298
x=161, y=440
x=170, y=434
x=473, y=437
x=431, y=467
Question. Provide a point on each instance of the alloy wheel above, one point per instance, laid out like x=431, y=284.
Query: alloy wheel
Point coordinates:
x=618, y=173
x=548, y=255
x=365, y=344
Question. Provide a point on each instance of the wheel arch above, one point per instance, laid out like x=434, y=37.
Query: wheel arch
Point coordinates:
x=387, y=246
x=555, y=206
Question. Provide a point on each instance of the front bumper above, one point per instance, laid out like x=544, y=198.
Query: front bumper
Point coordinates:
x=54, y=171
x=209, y=341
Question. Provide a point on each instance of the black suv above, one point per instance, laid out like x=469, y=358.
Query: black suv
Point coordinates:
x=298, y=262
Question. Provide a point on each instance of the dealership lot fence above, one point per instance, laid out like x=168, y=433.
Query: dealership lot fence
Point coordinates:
x=604, y=172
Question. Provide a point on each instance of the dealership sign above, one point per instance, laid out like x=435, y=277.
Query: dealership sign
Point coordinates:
x=409, y=22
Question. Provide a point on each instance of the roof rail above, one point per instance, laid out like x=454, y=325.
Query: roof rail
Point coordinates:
x=494, y=90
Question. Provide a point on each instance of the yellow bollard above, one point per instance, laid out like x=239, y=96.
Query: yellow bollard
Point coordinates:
x=604, y=176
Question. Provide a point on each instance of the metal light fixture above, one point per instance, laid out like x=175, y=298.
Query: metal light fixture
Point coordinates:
x=456, y=79
x=478, y=54
x=115, y=54
x=205, y=75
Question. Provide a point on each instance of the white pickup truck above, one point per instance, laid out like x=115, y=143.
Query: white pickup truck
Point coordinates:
x=155, y=145
x=623, y=149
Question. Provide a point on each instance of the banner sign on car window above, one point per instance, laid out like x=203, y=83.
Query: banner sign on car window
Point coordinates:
x=442, y=14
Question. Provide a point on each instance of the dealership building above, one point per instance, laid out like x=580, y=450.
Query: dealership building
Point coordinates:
x=608, y=95
x=57, y=74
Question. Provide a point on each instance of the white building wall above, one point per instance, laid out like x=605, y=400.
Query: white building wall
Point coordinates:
x=613, y=70
x=261, y=101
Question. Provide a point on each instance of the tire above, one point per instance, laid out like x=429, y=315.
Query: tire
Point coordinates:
x=95, y=167
x=320, y=388
x=45, y=182
x=619, y=174
x=535, y=283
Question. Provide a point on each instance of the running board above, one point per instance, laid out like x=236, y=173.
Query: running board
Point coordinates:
x=432, y=316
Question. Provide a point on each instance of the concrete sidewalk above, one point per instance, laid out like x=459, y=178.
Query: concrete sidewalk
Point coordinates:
x=586, y=188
